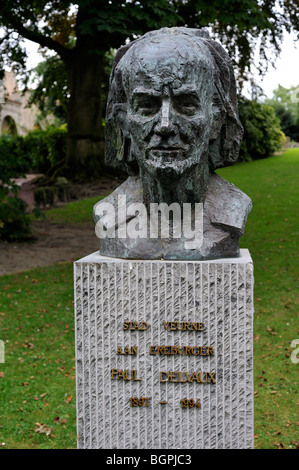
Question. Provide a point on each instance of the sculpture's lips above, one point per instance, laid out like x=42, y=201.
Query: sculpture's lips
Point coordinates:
x=167, y=154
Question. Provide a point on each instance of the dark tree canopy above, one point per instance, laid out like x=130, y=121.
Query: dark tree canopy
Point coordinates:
x=80, y=33
x=102, y=24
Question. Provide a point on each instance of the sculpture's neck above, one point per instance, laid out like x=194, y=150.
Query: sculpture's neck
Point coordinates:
x=187, y=188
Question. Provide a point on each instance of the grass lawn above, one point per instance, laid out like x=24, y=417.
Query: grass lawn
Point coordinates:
x=37, y=380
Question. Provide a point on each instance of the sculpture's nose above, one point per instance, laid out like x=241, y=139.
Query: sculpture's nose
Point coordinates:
x=165, y=126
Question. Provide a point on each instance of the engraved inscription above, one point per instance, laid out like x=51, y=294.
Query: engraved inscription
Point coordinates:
x=134, y=325
x=183, y=377
x=181, y=350
x=189, y=403
x=127, y=375
x=142, y=401
x=132, y=351
x=183, y=326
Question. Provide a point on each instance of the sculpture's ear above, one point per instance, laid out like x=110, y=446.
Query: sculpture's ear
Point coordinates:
x=115, y=140
x=117, y=136
x=225, y=140
x=226, y=129
x=216, y=133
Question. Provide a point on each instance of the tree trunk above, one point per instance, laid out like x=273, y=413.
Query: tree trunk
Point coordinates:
x=85, y=139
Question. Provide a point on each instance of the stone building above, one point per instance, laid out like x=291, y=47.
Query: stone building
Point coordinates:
x=15, y=117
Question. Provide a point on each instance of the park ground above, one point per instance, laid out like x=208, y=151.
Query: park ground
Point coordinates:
x=37, y=380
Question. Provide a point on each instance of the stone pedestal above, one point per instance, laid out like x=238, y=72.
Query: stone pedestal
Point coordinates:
x=164, y=353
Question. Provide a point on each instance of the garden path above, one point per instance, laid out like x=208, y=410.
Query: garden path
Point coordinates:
x=55, y=243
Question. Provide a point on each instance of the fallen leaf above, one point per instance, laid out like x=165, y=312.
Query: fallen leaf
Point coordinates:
x=271, y=331
x=42, y=429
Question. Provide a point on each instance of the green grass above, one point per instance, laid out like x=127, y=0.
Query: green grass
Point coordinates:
x=36, y=316
x=74, y=212
x=271, y=236
x=37, y=380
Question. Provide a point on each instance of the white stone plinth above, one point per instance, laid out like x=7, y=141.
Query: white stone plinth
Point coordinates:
x=218, y=294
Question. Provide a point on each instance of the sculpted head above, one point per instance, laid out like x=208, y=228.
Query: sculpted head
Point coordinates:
x=172, y=113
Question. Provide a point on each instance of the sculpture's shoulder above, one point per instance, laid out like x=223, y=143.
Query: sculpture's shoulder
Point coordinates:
x=131, y=189
x=226, y=205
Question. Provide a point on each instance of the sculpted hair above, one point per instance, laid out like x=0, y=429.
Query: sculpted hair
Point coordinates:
x=226, y=133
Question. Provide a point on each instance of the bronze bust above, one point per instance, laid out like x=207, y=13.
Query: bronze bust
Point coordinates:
x=171, y=121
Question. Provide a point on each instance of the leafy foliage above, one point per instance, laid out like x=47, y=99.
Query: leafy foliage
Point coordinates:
x=52, y=91
x=262, y=132
x=39, y=150
x=64, y=26
x=46, y=147
x=14, y=222
x=285, y=102
x=81, y=33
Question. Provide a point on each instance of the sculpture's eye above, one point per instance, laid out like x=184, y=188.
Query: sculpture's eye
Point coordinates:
x=186, y=104
x=146, y=105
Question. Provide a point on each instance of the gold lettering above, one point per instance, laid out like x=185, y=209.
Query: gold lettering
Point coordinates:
x=127, y=350
x=134, y=325
x=180, y=378
x=161, y=376
x=172, y=376
x=135, y=375
x=212, y=377
x=176, y=377
x=126, y=375
x=181, y=350
x=202, y=381
x=183, y=326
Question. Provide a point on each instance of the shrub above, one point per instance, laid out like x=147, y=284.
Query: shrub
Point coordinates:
x=262, y=132
x=47, y=148
x=15, y=224
x=13, y=161
x=39, y=150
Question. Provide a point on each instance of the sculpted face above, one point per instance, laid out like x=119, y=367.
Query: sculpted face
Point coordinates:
x=170, y=93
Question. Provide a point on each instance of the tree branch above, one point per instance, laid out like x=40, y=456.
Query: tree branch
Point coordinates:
x=44, y=41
